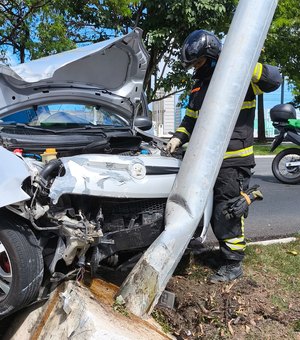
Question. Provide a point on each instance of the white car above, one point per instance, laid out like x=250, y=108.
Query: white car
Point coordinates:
x=82, y=185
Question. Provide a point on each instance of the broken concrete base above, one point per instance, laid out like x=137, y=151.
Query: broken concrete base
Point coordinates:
x=80, y=312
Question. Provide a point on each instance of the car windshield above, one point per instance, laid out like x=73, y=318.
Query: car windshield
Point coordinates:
x=66, y=114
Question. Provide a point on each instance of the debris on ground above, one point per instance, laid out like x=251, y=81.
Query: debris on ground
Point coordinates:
x=242, y=309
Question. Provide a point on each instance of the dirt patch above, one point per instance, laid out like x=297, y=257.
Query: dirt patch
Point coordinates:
x=243, y=309
x=257, y=306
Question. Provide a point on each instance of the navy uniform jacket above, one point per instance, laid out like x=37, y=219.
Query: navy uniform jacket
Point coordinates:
x=265, y=78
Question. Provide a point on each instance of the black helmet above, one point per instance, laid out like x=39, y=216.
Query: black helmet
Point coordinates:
x=199, y=44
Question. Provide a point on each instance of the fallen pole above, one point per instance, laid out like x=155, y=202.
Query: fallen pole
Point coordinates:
x=85, y=311
x=144, y=285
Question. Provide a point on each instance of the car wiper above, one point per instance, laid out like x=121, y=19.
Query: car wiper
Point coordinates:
x=114, y=127
x=58, y=131
x=87, y=128
x=25, y=126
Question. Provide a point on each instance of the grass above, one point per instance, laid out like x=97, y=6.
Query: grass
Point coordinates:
x=281, y=261
x=264, y=149
x=162, y=321
x=120, y=307
x=297, y=326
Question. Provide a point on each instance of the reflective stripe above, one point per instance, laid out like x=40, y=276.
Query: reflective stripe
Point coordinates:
x=237, y=243
x=183, y=130
x=192, y=113
x=239, y=153
x=257, y=72
x=243, y=225
x=256, y=89
x=196, y=89
x=236, y=246
x=235, y=240
x=249, y=104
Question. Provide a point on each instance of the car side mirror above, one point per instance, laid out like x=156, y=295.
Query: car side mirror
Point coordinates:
x=143, y=122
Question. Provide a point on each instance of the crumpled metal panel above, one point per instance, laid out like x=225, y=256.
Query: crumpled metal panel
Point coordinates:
x=118, y=65
x=114, y=176
x=13, y=172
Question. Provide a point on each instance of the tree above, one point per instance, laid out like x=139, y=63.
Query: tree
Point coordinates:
x=165, y=25
x=32, y=28
x=35, y=28
x=282, y=46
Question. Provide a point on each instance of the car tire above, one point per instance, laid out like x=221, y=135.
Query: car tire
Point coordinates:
x=21, y=264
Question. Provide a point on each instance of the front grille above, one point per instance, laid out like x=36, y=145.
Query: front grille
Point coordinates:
x=134, y=206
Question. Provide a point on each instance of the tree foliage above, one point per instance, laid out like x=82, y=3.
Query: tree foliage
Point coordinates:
x=34, y=28
x=31, y=29
x=166, y=24
x=282, y=46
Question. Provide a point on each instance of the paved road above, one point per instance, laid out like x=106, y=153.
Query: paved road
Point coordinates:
x=278, y=215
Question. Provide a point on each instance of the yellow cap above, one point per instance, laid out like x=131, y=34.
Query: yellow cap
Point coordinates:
x=50, y=150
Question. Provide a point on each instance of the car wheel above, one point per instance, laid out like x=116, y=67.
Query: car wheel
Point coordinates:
x=21, y=265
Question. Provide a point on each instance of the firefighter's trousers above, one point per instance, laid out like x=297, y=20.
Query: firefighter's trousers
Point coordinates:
x=230, y=233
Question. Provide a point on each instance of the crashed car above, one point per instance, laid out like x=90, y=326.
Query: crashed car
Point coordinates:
x=84, y=186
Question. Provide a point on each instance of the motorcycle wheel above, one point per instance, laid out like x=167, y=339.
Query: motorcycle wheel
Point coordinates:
x=287, y=174
x=21, y=265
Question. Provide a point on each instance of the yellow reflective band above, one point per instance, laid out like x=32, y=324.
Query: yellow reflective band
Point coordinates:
x=239, y=153
x=243, y=225
x=256, y=89
x=249, y=104
x=183, y=130
x=192, y=113
x=235, y=240
x=236, y=246
x=257, y=72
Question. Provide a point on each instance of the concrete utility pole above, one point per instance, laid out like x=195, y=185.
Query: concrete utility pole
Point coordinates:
x=144, y=285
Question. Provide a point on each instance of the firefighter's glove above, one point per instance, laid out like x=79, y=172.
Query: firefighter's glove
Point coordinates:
x=173, y=144
x=238, y=206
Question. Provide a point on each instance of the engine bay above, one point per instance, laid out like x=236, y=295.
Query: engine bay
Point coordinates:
x=96, y=206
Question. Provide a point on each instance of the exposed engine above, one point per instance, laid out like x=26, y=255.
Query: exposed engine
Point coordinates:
x=90, y=209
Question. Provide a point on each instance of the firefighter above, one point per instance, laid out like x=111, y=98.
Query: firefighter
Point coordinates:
x=232, y=194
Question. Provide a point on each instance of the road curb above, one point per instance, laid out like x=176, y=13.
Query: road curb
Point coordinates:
x=264, y=156
x=275, y=241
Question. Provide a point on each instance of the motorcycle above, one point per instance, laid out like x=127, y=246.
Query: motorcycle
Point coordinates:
x=286, y=164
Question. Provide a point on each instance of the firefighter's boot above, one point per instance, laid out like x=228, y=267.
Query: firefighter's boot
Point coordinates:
x=228, y=272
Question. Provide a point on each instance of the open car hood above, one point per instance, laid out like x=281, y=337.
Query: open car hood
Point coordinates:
x=117, y=65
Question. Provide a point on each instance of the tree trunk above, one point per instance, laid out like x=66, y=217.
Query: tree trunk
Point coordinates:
x=261, y=134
